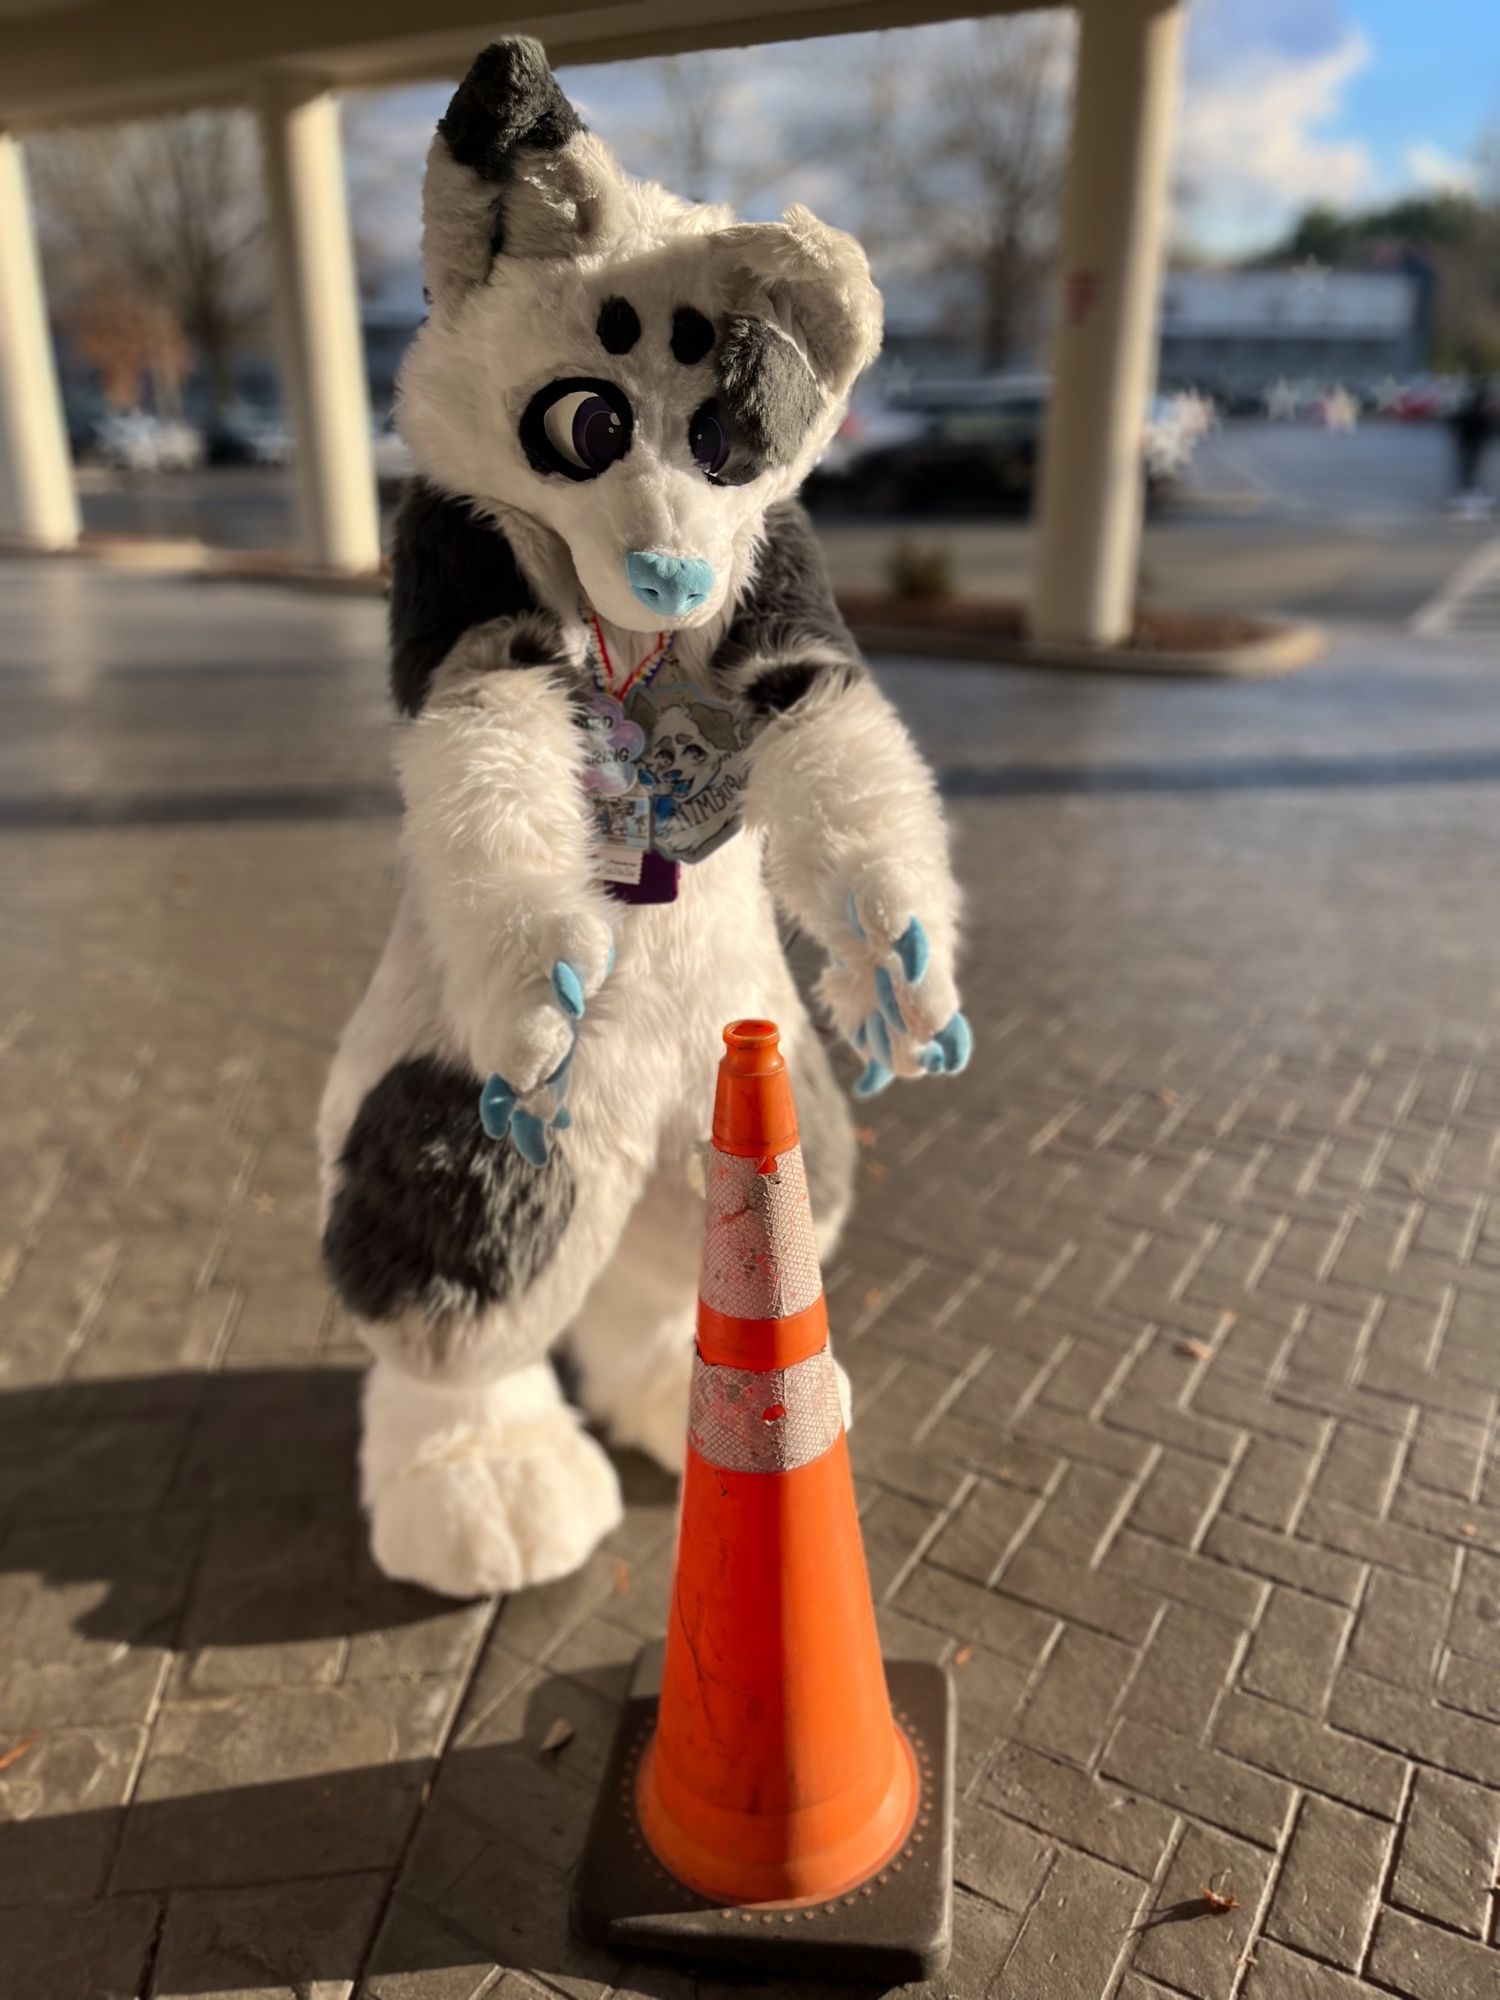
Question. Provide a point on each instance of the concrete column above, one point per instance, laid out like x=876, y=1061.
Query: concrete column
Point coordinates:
x=323, y=361
x=33, y=435
x=1104, y=357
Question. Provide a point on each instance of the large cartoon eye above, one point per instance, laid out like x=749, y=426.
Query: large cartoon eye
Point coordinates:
x=717, y=452
x=708, y=440
x=578, y=428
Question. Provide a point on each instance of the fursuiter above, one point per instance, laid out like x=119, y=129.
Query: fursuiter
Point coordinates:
x=630, y=725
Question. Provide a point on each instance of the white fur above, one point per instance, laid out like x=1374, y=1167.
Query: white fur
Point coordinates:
x=476, y=1475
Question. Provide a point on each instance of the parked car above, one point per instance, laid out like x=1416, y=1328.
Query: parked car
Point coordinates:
x=246, y=434
x=137, y=441
x=974, y=444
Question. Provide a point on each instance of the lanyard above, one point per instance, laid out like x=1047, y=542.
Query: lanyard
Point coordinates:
x=603, y=667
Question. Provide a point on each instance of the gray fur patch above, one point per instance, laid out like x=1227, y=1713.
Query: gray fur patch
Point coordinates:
x=766, y=390
x=451, y=571
x=786, y=635
x=431, y=1215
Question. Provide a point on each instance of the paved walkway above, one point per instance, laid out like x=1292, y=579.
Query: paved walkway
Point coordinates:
x=1173, y=1332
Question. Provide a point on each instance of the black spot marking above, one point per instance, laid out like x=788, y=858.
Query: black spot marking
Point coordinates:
x=618, y=327
x=692, y=335
x=433, y=1216
x=449, y=571
x=767, y=392
x=787, y=615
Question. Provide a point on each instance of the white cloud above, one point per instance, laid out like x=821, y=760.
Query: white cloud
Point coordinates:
x=1437, y=171
x=1253, y=146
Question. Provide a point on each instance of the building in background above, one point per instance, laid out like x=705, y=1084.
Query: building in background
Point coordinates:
x=1235, y=331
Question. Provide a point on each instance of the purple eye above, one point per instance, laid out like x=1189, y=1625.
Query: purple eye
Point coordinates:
x=586, y=430
x=709, y=440
x=577, y=428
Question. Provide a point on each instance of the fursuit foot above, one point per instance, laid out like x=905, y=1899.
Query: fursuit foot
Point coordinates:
x=475, y=1491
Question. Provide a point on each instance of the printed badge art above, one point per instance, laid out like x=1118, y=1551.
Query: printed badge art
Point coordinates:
x=692, y=770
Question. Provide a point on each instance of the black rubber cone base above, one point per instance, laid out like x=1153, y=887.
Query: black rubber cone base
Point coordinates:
x=895, y=1928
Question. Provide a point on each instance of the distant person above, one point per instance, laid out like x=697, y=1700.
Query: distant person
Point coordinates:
x=1472, y=424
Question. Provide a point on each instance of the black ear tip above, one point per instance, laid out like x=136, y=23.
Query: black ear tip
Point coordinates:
x=507, y=74
x=509, y=98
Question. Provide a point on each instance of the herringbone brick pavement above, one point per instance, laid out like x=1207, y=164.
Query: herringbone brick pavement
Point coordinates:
x=1172, y=1328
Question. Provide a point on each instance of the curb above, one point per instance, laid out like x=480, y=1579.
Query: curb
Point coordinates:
x=1286, y=647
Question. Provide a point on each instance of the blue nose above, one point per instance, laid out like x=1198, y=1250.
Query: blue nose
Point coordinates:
x=668, y=584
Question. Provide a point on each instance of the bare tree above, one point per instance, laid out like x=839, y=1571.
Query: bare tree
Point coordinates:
x=160, y=221
x=960, y=139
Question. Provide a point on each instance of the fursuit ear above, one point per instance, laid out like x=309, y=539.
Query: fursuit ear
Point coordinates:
x=512, y=171
x=812, y=282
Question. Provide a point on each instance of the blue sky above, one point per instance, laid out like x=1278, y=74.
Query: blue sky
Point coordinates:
x=1285, y=102
x=1288, y=101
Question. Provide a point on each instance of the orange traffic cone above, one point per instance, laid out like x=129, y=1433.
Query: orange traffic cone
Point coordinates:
x=765, y=1801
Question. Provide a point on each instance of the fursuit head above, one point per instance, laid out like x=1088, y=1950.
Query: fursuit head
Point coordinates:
x=630, y=725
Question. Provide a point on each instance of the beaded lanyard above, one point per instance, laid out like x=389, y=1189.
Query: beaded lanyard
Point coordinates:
x=656, y=881
x=641, y=674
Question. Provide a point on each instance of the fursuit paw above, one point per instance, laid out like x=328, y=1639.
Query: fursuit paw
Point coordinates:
x=892, y=996
x=525, y=1099
x=490, y=1507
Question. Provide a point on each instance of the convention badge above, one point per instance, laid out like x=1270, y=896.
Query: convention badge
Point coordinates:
x=622, y=826
x=612, y=747
x=692, y=769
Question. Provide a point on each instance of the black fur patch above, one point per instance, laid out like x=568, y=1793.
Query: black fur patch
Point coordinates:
x=781, y=688
x=449, y=571
x=692, y=335
x=618, y=326
x=508, y=99
x=433, y=1216
x=766, y=390
x=787, y=613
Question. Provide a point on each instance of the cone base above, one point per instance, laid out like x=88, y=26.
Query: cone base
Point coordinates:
x=891, y=1929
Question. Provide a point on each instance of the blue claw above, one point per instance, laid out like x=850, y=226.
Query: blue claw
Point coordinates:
x=931, y=1059
x=563, y=1120
x=609, y=963
x=874, y=1080
x=861, y=1038
x=568, y=987
x=890, y=1006
x=879, y=1040
x=496, y=1102
x=914, y=952
x=955, y=1044
x=854, y=923
x=530, y=1136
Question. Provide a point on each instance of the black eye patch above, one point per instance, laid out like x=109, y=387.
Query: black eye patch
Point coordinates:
x=767, y=394
x=692, y=335
x=618, y=326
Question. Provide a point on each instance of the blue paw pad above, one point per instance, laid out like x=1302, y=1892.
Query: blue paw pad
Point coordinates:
x=955, y=1044
x=890, y=1006
x=914, y=952
x=569, y=989
x=530, y=1136
x=878, y=1040
x=496, y=1103
x=873, y=1081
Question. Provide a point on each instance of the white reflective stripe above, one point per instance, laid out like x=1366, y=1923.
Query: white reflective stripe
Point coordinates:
x=760, y=1258
x=744, y=1420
